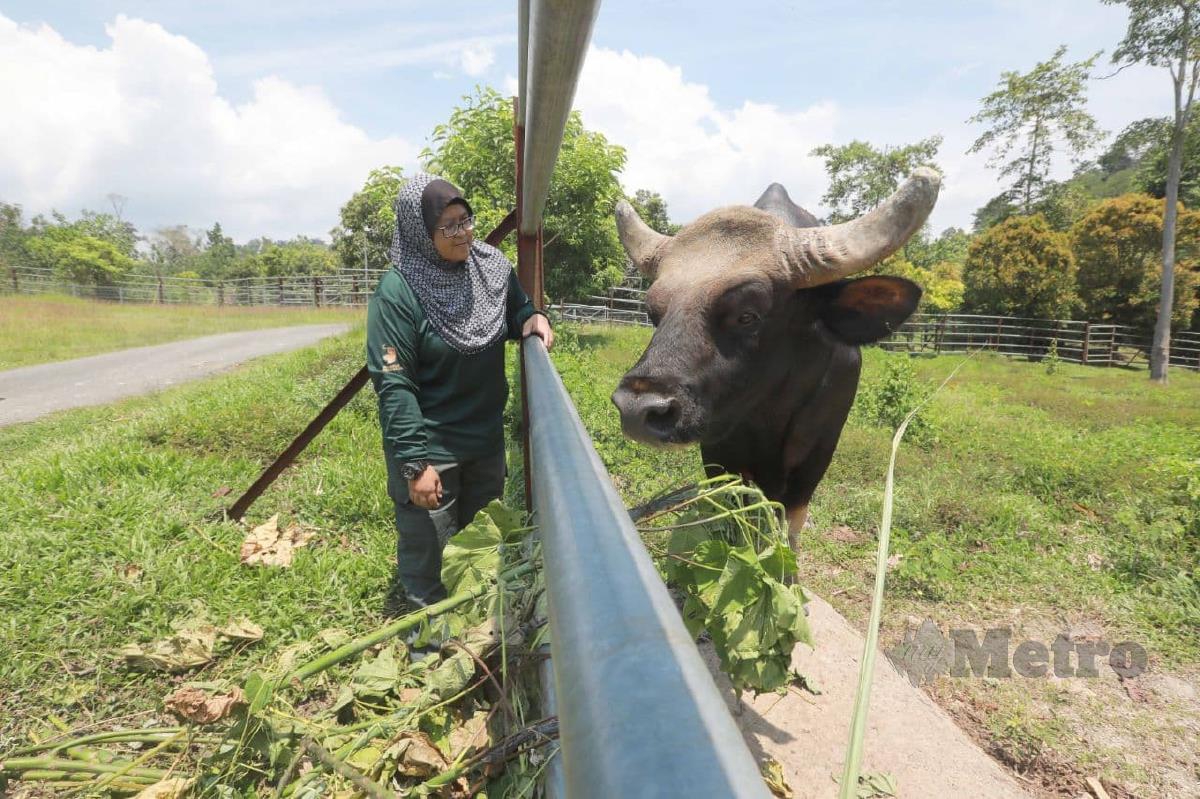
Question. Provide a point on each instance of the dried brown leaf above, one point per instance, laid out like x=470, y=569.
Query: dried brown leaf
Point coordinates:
x=200, y=706
x=416, y=755
x=267, y=545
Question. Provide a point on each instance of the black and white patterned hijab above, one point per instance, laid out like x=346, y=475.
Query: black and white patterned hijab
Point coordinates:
x=465, y=302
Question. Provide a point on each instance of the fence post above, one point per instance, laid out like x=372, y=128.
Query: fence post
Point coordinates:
x=161, y=298
x=354, y=289
x=317, y=292
x=220, y=293
x=1087, y=340
x=279, y=285
x=15, y=281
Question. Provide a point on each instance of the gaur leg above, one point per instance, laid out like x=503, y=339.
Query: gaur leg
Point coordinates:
x=796, y=517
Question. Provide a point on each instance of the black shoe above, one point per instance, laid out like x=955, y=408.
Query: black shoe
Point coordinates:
x=397, y=602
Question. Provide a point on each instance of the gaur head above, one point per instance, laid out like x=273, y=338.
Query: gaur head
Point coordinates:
x=741, y=300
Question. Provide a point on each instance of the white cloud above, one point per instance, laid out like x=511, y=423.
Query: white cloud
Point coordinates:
x=476, y=58
x=144, y=118
x=698, y=155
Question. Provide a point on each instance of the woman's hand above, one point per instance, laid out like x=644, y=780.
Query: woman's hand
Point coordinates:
x=426, y=491
x=538, y=325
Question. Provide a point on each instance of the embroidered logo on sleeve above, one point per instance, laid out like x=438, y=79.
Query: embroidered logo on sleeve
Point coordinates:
x=389, y=360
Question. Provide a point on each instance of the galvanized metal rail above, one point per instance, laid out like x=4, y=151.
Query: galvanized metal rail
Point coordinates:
x=639, y=714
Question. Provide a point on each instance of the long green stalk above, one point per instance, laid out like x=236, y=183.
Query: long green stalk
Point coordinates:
x=15, y=765
x=149, y=735
x=399, y=626
x=866, y=671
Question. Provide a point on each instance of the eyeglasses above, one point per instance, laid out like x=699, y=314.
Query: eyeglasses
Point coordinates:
x=461, y=226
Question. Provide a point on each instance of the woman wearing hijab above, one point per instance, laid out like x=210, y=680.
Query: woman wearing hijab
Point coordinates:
x=436, y=328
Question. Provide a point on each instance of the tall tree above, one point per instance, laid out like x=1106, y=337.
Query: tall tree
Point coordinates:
x=1166, y=33
x=1027, y=114
x=219, y=254
x=652, y=208
x=862, y=176
x=368, y=221
x=474, y=150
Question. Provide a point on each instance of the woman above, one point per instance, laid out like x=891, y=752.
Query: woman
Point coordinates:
x=436, y=327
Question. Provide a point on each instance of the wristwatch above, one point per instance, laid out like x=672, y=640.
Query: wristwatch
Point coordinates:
x=413, y=469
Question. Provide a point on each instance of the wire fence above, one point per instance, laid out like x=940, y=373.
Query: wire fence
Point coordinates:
x=1088, y=343
x=347, y=288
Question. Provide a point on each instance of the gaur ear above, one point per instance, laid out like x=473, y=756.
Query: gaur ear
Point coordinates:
x=869, y=308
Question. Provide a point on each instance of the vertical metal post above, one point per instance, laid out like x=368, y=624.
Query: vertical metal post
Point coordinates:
x=316, y=291
x=526, y=264
x=1087, y=341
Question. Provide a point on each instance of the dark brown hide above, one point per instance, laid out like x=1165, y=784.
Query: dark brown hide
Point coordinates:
x=758, y=371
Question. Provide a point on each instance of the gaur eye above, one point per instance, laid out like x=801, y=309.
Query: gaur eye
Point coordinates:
x=748, y=318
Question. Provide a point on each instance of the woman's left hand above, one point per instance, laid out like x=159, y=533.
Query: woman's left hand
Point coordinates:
x=538, y=325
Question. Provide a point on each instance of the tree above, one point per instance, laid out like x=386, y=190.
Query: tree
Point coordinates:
x=1166, y=33
x=994, y=211
x=652, y=208
x=300, y=256
x=1155, y=164
x=950, y=246
x=1021, y=267
x=474, y=150
x=12, y=235
x=76, y=256
x=1118, y=247
x=368, y=221
x=1028, y=113
x=219, y=254
x=172, y=250
x=861, y=176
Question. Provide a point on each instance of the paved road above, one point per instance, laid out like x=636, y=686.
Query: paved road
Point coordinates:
x=32, y=391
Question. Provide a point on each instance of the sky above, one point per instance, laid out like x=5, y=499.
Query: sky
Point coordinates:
x=266, y=117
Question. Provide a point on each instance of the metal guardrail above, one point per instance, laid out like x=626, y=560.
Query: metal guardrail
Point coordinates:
x=639, y=713
x=557, y=38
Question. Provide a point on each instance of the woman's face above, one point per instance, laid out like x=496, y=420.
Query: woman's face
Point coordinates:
x=457, y=247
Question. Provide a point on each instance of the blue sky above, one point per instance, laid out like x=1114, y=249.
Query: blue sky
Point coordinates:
x=266, y=116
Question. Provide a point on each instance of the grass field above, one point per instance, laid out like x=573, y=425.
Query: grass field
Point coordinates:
x=40, y=329
x=1032, y=499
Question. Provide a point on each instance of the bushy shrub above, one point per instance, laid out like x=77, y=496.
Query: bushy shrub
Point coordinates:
x=1021, y=267
x=885, y=400
x=1118, y=247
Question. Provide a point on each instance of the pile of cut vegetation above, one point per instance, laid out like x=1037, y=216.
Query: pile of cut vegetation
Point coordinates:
x=440, y=702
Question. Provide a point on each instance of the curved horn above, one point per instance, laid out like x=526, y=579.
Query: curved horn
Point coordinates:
x=825, y=254
x=641, y=242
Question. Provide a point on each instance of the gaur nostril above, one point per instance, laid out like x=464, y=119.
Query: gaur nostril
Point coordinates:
x=662, y=415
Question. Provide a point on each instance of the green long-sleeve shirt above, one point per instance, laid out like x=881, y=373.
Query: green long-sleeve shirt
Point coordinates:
x=435, y=403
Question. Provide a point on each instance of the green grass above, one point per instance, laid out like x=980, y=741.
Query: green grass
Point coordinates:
x=1079, y=489
x=42, y=329
x=1048, y=493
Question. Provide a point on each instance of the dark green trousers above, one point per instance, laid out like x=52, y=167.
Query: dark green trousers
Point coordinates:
x=467, y=486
